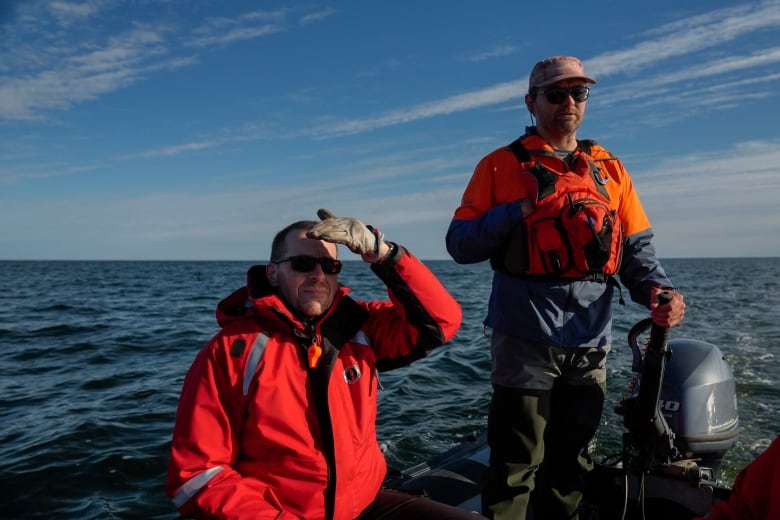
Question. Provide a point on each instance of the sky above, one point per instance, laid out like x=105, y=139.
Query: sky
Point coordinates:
x=194, y=130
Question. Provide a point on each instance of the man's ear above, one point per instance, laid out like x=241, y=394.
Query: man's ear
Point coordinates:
x=272, y=273
x=529, y=104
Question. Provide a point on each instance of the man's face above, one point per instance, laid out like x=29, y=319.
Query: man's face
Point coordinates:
x=310, y=293
x=562, y=119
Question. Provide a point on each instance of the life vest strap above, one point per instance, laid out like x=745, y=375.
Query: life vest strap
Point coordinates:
x=522, y=155
x=590, y=277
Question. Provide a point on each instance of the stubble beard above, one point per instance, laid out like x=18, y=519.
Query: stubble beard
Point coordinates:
x=567, y=126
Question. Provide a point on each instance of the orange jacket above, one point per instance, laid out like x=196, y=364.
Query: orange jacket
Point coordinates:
x=572, y=314
x=259, y=434
x=495, y=182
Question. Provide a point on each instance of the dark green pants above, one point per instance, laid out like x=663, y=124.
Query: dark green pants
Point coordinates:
x=538, y=441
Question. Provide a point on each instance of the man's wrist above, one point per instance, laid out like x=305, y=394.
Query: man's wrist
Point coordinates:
x=392, y=250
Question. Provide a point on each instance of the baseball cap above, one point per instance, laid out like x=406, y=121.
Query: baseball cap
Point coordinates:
x=557, y=68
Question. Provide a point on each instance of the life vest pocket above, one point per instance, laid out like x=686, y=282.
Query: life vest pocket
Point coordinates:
x=553, y=253
x=593, y=234
x=571, y=236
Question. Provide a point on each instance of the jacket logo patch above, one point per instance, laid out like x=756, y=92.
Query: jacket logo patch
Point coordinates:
x=352, y=374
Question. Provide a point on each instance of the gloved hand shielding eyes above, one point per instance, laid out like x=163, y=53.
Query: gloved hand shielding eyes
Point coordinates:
x=351, y=232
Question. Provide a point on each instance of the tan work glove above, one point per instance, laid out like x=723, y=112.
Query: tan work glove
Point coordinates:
x=359, y=238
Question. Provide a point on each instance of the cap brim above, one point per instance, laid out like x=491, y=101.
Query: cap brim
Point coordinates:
x=562, y=77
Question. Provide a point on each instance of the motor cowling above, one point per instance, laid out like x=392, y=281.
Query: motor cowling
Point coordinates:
x=699, y=401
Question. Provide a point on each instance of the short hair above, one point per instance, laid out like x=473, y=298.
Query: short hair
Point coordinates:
x=279, y=245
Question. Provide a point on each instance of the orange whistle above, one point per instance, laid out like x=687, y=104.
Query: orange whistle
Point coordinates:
x=315, y=351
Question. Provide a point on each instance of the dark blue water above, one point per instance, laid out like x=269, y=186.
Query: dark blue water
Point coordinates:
x=94, y=354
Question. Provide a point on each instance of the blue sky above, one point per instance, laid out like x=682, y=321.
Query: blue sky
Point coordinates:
x=173, y=129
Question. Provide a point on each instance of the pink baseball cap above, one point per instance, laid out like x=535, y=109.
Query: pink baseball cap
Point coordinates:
x=555, y=69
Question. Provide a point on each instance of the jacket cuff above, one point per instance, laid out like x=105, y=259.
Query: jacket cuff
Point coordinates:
x=387, y=264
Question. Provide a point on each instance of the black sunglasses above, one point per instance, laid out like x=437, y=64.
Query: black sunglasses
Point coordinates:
x=306, y=264
x=556, y=96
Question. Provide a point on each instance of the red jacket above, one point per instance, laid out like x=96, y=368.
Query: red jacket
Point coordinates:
x=756, y=491
x=259, y=434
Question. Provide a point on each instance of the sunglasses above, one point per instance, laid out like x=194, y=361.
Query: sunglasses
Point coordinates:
x=306, y=264
x=556, y=96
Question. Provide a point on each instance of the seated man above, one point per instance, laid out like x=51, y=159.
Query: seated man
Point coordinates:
x=277, y=413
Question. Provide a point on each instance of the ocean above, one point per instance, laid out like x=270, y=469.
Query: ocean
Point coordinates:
x=94, y=354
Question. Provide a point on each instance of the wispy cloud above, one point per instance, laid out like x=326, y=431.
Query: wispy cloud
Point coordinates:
x=248, y=26
x=67, y=12
x=687, y=36
x=173, y=150
x=499, y=93
x=723, y=25
x=496, y=52
x=16, y=174
x=63, y=71
x=224, y=31
x=121, y=61
x=317, y=16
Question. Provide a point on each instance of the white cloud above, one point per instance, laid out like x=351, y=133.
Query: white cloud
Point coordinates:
x=496, y=52
x=710, y=194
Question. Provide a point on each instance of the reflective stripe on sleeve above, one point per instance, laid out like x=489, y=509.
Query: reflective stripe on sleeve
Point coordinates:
x=193, y=485
x=254, y=359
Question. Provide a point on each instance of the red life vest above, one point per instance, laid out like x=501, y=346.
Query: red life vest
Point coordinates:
x=573, y=232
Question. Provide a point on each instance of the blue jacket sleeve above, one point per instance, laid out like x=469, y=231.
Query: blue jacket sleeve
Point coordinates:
x=476, y=240
x=640, y=269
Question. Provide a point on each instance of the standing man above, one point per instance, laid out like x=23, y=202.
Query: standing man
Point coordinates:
x=558, y=218
x=277, y=415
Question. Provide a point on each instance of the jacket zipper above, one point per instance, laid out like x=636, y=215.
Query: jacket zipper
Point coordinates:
x=313, y=353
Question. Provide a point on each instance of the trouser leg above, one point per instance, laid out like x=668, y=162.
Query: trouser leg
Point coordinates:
x=561, y=480
x=516, y=424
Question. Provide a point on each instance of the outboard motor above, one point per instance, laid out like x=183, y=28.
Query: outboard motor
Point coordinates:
x=681, y=419
x=690, y=415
